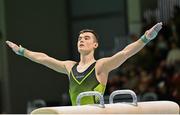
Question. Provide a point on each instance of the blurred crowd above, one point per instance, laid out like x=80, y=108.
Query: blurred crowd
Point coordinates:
x=154, y=72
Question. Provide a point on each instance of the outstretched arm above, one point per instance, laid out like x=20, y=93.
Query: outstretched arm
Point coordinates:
x=116, y=60
x=41, y=58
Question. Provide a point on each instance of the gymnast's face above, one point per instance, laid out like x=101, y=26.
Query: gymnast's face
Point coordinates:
x=86, y=43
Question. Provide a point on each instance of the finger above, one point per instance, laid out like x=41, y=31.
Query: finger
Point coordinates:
x=10, y=44
x=157, y=27
x=161, y=23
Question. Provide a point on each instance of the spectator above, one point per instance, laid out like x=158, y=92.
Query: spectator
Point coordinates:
x=173, y=54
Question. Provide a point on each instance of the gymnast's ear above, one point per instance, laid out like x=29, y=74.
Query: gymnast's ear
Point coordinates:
x=96, y=45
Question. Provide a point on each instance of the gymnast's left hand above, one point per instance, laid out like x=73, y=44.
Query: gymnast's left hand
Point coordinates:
x=152, y=32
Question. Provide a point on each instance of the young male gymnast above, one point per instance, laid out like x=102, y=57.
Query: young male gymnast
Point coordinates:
x=88, y=74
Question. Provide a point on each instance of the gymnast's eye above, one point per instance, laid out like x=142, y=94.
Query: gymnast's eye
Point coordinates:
x=79, y=38
x=86, y=37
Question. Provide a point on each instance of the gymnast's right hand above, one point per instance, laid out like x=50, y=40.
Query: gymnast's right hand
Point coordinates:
x=19, y=50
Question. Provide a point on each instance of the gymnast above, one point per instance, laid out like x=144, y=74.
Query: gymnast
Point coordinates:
x=88, y=74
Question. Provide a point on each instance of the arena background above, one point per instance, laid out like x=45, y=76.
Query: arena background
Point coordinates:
x=52, y=26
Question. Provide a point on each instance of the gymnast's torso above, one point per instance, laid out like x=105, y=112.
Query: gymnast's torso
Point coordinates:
x=83, y=81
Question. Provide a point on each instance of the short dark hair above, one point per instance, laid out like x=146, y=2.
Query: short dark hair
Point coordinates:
x=91, y=31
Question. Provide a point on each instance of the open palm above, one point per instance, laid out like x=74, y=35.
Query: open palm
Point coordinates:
x=13, y=46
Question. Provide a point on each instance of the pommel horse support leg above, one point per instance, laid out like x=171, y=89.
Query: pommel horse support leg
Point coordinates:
x=151, y=107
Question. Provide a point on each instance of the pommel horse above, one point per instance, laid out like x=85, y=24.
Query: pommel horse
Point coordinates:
x=135, y=107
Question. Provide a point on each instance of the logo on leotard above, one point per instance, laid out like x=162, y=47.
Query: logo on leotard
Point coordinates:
x=80, y=76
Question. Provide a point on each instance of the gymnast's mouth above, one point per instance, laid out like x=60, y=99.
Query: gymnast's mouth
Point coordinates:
x=81, y=45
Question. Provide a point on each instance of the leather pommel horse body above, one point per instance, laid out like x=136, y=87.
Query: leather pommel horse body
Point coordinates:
x=151, y=107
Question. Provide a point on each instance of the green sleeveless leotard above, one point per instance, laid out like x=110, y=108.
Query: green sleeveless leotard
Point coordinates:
x=82, y=82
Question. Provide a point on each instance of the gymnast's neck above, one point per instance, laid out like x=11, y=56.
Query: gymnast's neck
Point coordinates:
x=87, y=58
